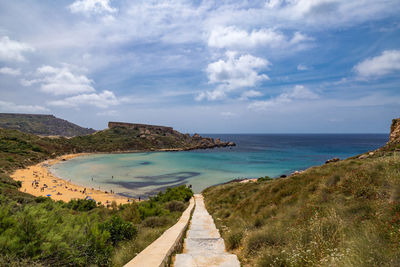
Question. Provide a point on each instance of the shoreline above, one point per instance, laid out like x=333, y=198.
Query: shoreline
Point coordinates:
x=38, y=180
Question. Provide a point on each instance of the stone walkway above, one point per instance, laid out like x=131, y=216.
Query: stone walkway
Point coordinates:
x=203, y=245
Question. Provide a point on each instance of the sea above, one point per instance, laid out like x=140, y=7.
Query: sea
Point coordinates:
x=255, y=155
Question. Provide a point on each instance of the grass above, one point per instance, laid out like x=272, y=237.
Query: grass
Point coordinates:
x=339, y=214
x=37, y=231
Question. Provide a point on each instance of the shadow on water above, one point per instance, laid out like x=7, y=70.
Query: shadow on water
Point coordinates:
x=161, y=182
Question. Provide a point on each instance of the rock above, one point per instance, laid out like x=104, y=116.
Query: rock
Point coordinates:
x=283, y=176
x=364, y=156
x=143, y=136
x=332, y=160
x=196, y=136
x=371, y=153
x=231, y=143
x=147, y=131
x=395, y=131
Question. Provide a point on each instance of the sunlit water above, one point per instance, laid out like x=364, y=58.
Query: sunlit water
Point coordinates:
x=143, y=174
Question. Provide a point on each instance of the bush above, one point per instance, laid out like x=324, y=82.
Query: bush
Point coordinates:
x=263, y=179
x=180, y=193
x=263, y=238
x=234, y=240
x=155, y=221
x=175, y=205
x=81, y=204
x=119, y=229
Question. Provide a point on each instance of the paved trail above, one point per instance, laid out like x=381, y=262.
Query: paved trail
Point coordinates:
x=204, y=247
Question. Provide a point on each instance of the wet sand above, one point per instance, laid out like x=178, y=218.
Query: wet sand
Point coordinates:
x=37, y=180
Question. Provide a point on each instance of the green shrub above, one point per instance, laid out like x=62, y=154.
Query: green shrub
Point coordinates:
x=175, y=205
x=180, y=193
x=265, y=178
x=155, y=221
x=234, y=240
x=119, y=229
x=81, y=204
x=262, y=238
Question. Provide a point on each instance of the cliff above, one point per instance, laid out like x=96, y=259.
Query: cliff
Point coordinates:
x=395, y=131
x=39, y=124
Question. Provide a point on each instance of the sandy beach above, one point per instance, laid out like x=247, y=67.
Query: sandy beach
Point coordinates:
x=37, y=180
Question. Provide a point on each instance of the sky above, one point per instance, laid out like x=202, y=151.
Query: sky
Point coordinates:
x=272, y=66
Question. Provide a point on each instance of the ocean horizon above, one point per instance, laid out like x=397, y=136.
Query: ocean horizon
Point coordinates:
x=255, y=155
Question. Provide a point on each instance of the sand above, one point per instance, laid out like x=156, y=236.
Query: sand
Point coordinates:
x=34, y=179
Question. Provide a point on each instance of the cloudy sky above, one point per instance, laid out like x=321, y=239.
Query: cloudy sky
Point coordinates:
x=272, y=66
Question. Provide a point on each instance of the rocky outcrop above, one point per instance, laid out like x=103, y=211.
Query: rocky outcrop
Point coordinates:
x=332, y=160
x=395, y=131
x=162, y=137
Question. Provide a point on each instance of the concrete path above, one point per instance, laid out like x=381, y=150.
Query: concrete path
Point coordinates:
x=203, y=245
x=157, y=253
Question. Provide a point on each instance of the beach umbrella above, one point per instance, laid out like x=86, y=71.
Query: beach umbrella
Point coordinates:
x=49, y=195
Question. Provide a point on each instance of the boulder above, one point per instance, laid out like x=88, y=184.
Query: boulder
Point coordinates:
x=196, y=136
x=332, y=160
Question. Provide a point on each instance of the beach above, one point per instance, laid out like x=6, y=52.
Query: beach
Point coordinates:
x=37, y=180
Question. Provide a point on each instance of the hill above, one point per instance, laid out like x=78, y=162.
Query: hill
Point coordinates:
x=46, y=125
x=344, y=213
x=141, y=137
x=37, y=231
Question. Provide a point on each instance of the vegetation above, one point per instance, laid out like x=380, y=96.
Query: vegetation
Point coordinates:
x=41, y=125
x=339, y=214
x=37, y=231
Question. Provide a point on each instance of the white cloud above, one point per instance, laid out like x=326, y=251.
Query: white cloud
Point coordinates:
x=92, y=6
x=12, y=50
x=250, y=94
x=302, y=67
x=299, y=92
x=234, y=38
x=386, y=63
x=102, y=100
x=235, y=72
x=12, y=107
x=216, y=94
x=61, y=81
x=10, y=71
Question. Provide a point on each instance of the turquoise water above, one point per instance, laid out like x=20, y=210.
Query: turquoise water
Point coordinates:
x=144, y=174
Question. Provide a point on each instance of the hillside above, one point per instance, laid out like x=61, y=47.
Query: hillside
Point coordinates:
x=345, y=213
x=46, y=125
x=37, y=231
x=139, y=137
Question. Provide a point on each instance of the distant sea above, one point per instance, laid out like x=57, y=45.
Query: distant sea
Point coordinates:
x=256, y=155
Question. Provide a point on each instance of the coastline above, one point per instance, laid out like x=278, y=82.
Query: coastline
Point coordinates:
x=38, y=180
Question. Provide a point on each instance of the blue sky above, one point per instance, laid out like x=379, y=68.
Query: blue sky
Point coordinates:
x=274, y=66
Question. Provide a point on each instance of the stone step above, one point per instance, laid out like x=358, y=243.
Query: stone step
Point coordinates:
x=206, y=260
x=205, y=245
x=201, y=233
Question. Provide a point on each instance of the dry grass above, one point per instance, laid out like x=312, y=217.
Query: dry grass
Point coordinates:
x=340, y=214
